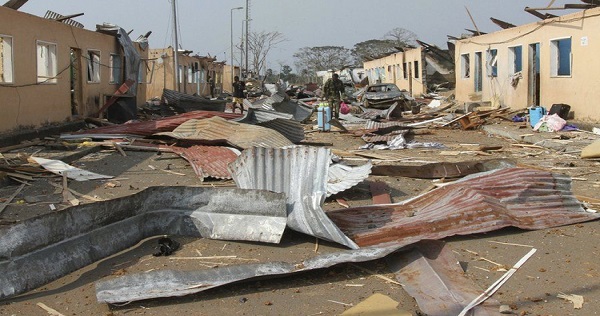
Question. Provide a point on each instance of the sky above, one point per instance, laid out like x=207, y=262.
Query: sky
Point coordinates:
x=205, y=25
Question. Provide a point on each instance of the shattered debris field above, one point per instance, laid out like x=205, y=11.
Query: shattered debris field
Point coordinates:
x=315, y=229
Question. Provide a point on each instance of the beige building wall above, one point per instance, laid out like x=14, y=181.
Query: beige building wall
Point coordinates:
x=579, y=89
x=27, y=103
x=405, y=69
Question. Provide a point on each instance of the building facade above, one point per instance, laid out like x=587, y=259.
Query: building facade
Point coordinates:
x=553, y=61
x=50, y=71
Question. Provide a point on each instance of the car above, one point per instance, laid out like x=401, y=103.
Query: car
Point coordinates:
x=383, y=95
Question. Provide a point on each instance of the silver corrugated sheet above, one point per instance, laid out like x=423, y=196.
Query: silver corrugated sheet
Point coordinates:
x=291, y=130
x=218, y=130
x=55, y=16
x=342, y=177
x=301, y=173
x=378, y=125
x=280, y=103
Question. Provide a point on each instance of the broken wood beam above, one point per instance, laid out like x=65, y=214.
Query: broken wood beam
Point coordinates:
x=502, y=24
x=15, y=4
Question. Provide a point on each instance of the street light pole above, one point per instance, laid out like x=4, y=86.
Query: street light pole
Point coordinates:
x=176, y=49
x=247, y=30
x=231, y=46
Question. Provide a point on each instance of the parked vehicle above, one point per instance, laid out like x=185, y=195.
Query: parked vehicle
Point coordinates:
x=383, y=95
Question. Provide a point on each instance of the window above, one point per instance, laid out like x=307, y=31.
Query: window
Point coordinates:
x=180, y=74
x=93, y=64
x=417, y=69
x=146, y=71
x=478, y=72
x=492, y=63
x=515, y=55
x=46, y=62
x=190, y=75
x=116, y=68
x=6, y=59
x=560, y=61
x=465, y=66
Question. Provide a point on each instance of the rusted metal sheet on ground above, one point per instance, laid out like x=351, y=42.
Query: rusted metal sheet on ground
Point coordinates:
x=519, y=197
x=209, y=161
x=379, y=192
x=148, y=128
x=443, y=169
x=39, y=250
x=301, y=173
x=373, y=138
x=429, y=272
x=217, y=130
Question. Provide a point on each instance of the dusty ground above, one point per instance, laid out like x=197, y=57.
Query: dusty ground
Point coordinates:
x=566, y=260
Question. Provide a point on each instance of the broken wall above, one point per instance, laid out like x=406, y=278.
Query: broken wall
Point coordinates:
x=36, y=97
x=408, y=70
x=576, y=87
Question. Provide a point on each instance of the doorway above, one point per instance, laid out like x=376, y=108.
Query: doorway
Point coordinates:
x=76, y=83
x=534, y=74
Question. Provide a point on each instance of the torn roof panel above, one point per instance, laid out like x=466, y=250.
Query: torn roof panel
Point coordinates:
x=148, y=128
x=342, y=177
x=301, y=173
x=209, y=161
x=290, y=129
x=524, y=198
x=217, y=129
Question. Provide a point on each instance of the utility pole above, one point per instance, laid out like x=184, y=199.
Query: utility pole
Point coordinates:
x=231, y=47
x=247, y=31
x=176, y=48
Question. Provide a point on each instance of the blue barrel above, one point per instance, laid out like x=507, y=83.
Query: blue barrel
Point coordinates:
x=535, y=114
x=323, y=118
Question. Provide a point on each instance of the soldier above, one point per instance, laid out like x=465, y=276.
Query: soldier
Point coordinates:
x=238, y=94
x=332, y=90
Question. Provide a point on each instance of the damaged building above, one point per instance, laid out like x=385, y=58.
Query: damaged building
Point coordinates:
x=54, y=69
x=548, y=62
x=417, y=70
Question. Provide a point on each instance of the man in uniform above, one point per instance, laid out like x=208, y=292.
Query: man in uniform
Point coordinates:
x=332, y=90
x=238, y=93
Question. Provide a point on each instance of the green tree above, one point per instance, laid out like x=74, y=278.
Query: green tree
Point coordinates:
x=309, y=60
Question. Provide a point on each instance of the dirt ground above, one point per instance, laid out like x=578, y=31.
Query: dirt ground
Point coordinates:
x=566, y=260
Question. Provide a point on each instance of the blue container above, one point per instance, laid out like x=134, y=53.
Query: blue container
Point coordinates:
x=535, y=114
x=323, y=118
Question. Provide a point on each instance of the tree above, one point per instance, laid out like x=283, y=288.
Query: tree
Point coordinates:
x=374, y=48
x=401, y=37
x=259, y=46
x=312, y=59
x=286, y=72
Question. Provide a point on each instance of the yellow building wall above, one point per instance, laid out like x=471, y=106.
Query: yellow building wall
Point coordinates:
x=25, y=103
x=579, y=90
x=391, y=70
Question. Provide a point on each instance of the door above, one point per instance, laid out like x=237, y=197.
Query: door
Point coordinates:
x=410, y=79
x=76, y=83
x=534, y=74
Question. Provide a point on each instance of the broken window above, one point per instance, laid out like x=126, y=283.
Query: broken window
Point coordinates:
x=492, y=63
x=93, y=64
x=561, y=57
x=46, y=62
x=405, y=70
x=190, y=74
x=180, y=74
x=416, y=69
x=478, y=72
x=6, y=59
x=116, y=68
x=515, y=55
x=146, y=72
x=465, y=66
x=195, y=71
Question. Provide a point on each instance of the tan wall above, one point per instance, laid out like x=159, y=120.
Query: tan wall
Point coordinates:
x=227, y=83
x=393, y=70
x=579, y=90
x=26, y=103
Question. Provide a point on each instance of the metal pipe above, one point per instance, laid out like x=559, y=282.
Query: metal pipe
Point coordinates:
x=247, y=28
x=231, y=45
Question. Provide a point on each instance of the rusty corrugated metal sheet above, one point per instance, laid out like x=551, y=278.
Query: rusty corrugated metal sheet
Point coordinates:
x=520, y=197
x=209, y=161
x=148, y=128
x=373, y=138
x=218, y=130
x=378, y=125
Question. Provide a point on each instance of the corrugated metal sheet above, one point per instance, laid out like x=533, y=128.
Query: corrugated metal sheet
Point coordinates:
x=55, y=16
x=520, y=197
x=148, y=128
x=279, y=103
x=302, y=174
x=209, y=161
x=342, y=177
x=39, y=250
x=267, y=103
x=378, y=125
x=291, y=130
x=193, y=103
x=218, y=130
x=373, y=138
x=429, y=273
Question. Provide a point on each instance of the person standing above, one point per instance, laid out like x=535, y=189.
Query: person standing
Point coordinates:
x=332, y=90
x=238, y=94
x=211, y=85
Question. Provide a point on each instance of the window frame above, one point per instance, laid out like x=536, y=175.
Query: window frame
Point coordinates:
x=94, y=77
x=416, y=69
x=492, y=62
x=555, y=57
x=11, y=64
x=112, y=59
x=47, y=78
x=465, y=66
x=512, y=59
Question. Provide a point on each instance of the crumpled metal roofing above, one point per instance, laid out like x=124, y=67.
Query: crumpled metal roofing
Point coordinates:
x=429, y=272
x=280, y=103
x=267, y=103
x=147, y=128
x=519, y=197
x=378, y=125
x=209, y=161
x=218, y=130
x=193, y=103
x=302, y=173
x=292, y=130
x=560, y=210
x=41, y=249
x=373, y=138
x=342, y=177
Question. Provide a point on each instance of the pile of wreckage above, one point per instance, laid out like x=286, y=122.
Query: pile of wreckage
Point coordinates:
x=282, y=183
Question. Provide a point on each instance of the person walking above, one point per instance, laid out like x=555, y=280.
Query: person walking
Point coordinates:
x=238, y=94
x=332, y=90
